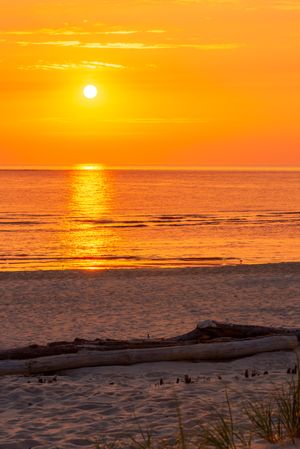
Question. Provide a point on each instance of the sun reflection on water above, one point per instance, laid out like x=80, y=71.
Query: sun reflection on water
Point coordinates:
x=91, y=240
x=90, y=194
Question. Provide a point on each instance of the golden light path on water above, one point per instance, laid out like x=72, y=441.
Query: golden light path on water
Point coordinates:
x=89, y=206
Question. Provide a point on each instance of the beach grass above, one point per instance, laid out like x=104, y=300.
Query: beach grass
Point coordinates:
x=273, y=420
x=288, y=406
x=264, y=421
x=224, y=433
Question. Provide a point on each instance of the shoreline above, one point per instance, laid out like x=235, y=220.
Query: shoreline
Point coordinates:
x=151, y=270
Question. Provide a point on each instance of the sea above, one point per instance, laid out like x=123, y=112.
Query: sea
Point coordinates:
x=131, y=218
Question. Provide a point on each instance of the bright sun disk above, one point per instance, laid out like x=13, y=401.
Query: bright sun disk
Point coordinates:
x=89, y=167
x=90, y=91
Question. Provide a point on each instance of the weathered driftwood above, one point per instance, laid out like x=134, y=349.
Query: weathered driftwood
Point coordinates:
x=205, y=332
x=211, y=351
x=210, y=330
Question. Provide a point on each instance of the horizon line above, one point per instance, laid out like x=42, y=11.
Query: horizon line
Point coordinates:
x=101, y=167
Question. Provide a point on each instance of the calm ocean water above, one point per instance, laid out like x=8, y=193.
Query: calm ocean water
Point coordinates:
x=132, y=218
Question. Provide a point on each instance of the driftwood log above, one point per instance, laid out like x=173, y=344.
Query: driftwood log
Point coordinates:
x=199, y=351
x=205, y=332
x=210, y=340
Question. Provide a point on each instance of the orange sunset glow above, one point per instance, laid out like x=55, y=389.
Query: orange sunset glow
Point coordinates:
x=149, y=224
x=181, y=82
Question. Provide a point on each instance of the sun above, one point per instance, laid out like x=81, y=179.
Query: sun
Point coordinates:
x=88, y=167
x=90, y=91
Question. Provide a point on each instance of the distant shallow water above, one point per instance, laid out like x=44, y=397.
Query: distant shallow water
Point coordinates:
x=147, y=218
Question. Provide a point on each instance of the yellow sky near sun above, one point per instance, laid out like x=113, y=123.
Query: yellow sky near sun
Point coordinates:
x=181, y=82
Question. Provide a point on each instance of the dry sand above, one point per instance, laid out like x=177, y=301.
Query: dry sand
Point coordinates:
x=113, y=402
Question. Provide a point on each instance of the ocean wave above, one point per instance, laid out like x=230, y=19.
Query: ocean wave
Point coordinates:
x=81, y=224
x=19, y=223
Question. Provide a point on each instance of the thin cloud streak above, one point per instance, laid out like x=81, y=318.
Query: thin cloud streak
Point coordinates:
x=77, y=32
x=136, y=45
x=162, y=120
x=287, y=5
x=93, y=65
x=117, y=32
x=54, y=43
x=158, y=31
x=283, y=5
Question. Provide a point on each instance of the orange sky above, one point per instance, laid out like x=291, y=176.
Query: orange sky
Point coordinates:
x=182, y=82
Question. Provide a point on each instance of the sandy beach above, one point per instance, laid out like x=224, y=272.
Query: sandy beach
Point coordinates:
x=77, y=407
x=134, y=303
